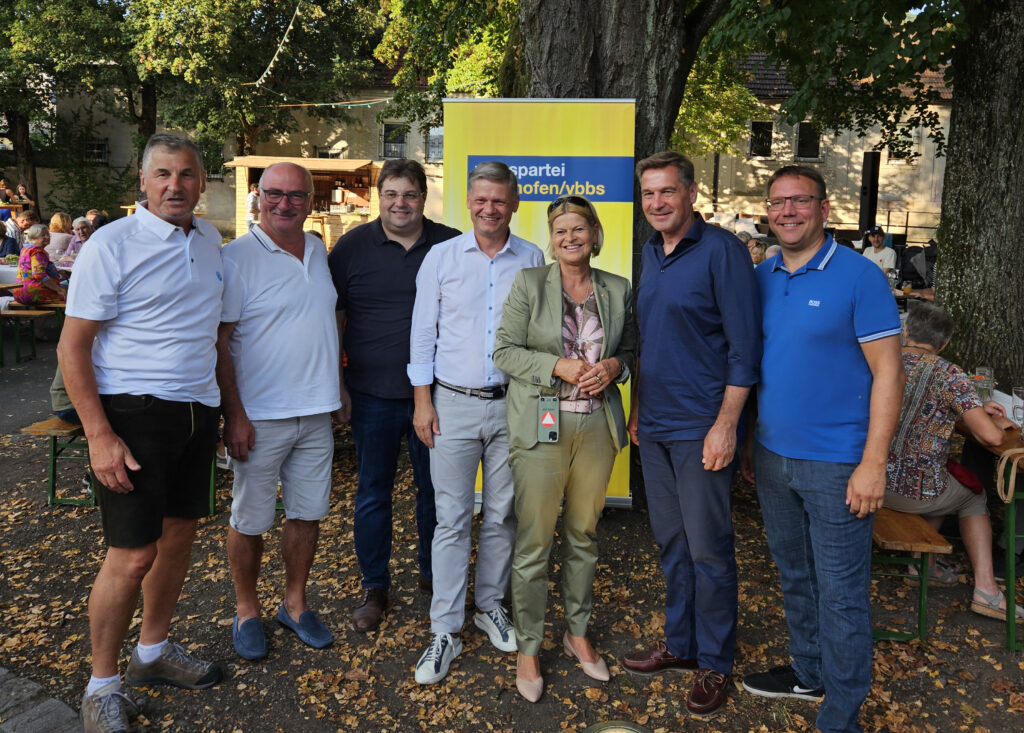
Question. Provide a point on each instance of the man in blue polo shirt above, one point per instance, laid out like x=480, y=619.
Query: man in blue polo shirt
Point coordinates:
x=828, y=402
x=700, y=347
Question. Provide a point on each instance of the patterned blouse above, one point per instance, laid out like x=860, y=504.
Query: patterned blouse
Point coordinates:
x=33, y=269
x=937, y=394
x=582, y=338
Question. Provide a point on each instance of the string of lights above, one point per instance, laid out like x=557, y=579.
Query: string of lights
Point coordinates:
x=294, y=103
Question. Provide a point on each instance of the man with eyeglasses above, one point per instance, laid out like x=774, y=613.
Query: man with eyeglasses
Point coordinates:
x=828, y=400
x=700, y=345
x=277, y=351
x=374, y=268
x=460, y=412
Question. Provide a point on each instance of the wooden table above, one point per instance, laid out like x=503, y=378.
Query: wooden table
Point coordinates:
x=1011, y=440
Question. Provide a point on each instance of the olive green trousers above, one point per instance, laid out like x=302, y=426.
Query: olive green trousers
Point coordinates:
x=575, y=468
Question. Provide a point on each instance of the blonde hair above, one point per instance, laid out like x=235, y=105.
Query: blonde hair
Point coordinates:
x=574, y=205
x=60, y=222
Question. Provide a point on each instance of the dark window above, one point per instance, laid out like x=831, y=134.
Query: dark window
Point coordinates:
x=761, y=139
x=435, y=144
x=393, y=143
x=808, y=141
x=97, y=152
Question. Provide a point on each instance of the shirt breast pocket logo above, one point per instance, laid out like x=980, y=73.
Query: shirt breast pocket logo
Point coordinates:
x=814, y=303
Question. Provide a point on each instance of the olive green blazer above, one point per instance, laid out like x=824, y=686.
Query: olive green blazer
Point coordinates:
x=529, y=343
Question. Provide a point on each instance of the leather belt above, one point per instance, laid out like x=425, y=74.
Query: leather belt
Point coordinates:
x=484, y=393
x=582, y=406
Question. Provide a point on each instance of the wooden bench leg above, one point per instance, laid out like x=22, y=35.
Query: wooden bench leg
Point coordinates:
x=56, y=449
x=53, y=472
x=1011, y=573
x=922, y=596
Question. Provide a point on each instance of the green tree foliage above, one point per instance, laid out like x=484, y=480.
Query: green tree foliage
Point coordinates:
x=79, y=183
x=317, y=53
x=441, y=48
x=859, y=64
x=855, y=65
x=717, y=108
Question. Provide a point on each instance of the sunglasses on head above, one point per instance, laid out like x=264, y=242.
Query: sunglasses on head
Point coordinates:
x=574, y=200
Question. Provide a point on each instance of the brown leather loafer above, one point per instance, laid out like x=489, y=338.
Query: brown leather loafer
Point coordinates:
x=370, y=610
x=426, y=585
x=656, y=659
x=708, y=693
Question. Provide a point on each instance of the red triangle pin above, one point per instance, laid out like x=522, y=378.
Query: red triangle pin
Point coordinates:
x=548, y=419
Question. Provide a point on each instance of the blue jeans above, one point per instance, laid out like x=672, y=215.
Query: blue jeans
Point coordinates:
x=378, y=426
x=823, y=553
x=691, y=515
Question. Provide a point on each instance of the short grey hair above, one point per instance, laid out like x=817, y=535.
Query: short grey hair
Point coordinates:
x=81, y=220
x=496, y=171
x=36, y=232
x=171, y=143
x=928, y=324
x=309, y=176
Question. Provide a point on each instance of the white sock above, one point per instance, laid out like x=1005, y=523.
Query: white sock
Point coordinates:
x=149, y=652
x=95, y=683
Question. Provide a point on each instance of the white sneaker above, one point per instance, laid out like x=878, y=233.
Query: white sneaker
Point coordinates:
x=498, y=627
x=433, y=665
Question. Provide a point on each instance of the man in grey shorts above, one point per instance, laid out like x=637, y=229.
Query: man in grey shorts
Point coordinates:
x=277, y=367
x=462, y=419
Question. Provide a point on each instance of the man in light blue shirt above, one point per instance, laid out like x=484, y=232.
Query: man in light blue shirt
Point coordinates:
x=460, y=411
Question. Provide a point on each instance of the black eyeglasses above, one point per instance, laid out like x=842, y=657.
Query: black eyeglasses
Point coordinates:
x=295, y=198
x=574, y=200
x=802, y=203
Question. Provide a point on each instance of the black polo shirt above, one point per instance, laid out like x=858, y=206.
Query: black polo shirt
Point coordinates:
x=376, y=282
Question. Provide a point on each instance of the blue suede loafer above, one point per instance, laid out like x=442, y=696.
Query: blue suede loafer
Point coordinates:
x=250, y=641
x=309, y=629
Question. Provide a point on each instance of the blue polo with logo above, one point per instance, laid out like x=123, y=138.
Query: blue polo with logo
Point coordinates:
x=814, y=394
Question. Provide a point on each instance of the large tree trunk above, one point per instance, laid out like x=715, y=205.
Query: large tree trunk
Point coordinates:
x=17, y=129
x=980, y=268
x=618, y=49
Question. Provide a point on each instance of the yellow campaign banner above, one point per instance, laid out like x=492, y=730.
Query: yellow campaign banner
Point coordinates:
x=556, y=147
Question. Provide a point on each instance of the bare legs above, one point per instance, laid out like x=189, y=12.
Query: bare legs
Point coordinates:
x=158, y=571
x=245, y=553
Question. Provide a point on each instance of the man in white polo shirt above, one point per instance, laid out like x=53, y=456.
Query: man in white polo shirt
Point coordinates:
x=138, y=352
x=278, y=372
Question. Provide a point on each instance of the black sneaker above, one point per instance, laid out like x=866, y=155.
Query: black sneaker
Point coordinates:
x=780, y=682
x=999, y=564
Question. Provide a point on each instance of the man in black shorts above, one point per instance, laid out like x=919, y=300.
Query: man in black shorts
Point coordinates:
x=138, y=353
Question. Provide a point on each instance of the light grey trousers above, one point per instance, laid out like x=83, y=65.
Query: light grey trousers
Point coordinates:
x=472, y=431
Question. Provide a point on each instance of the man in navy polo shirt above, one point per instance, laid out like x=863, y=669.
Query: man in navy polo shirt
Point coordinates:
x=700, y=347
x=374, y=268
x=828, y=402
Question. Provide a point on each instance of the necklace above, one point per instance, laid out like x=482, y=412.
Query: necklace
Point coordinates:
x=914, y=346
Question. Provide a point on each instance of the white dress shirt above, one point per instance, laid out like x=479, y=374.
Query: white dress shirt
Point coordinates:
x=459, y=295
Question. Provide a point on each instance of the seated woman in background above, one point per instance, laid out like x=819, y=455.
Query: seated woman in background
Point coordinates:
x=60, y=235
x=38, y=278
x=937, y=395
x=81, y=231
x=22, y=195
x=567, y=335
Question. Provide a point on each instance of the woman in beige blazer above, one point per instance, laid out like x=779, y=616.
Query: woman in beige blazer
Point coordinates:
x=567, y=332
